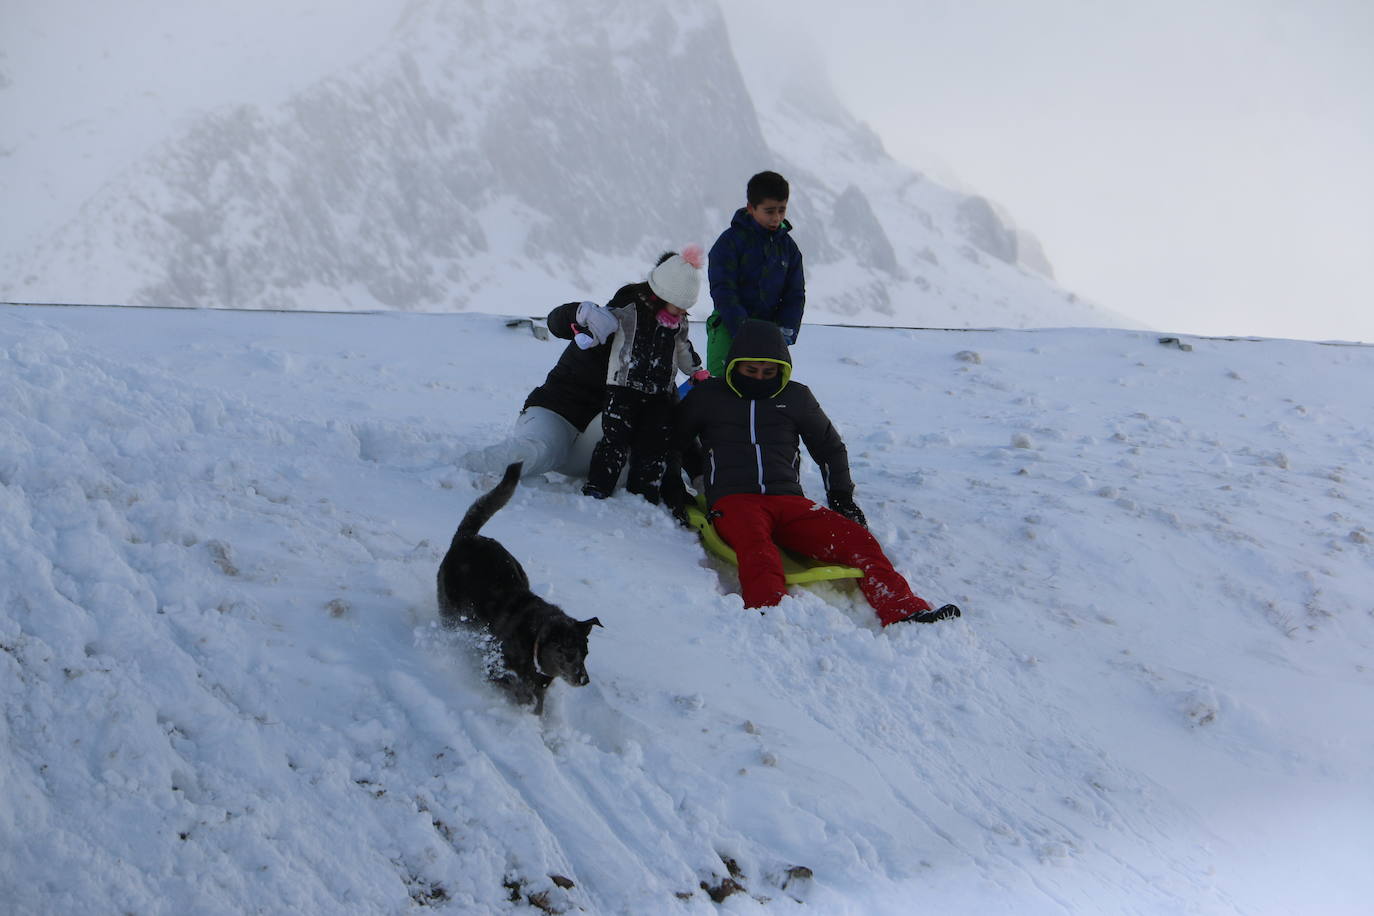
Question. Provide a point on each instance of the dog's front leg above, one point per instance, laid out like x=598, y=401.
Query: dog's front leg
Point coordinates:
x=523, y=692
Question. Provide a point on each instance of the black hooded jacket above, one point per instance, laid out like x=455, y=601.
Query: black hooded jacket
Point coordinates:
x=752, y=444
x=575, y=387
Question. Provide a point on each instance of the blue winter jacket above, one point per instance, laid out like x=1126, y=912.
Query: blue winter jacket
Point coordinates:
x=755, y=273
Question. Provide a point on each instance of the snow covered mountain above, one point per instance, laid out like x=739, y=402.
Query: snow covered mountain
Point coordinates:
x=223, y=689
x=506, y=157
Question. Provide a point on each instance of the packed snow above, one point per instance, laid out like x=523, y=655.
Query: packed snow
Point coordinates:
x=225, y=688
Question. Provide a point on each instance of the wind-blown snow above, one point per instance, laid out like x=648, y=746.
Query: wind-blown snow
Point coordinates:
x=225, y=691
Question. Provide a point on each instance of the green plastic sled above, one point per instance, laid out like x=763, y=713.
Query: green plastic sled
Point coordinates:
x=797, y=569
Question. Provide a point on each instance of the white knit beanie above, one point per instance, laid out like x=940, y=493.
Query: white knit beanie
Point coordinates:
x=678, y=279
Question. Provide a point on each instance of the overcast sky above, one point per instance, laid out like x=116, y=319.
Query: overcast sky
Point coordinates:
x=1206, y=166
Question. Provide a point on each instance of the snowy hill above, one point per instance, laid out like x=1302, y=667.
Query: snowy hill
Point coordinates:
x=224, y=689
x=504, y=158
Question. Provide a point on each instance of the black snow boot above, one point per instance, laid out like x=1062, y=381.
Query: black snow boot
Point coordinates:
x=944, y=612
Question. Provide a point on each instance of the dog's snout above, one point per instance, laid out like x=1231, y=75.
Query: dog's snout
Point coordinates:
x=580, y=678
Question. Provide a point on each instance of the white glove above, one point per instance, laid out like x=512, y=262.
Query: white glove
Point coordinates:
x=598, y=320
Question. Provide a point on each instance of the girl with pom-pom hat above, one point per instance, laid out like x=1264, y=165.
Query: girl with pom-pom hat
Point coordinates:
x=649, y=345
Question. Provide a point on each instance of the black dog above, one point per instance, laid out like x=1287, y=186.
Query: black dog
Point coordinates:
x=481, y=584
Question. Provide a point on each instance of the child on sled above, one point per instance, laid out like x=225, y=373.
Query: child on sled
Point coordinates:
x=751, y=422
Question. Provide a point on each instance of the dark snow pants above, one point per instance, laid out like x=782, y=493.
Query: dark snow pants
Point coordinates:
x=755, y=525
x=634, y=426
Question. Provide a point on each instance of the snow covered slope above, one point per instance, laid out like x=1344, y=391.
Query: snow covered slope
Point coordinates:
x=224, y=689
x=482, y=157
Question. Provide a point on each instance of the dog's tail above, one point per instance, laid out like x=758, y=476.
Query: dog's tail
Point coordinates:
x=488, y=504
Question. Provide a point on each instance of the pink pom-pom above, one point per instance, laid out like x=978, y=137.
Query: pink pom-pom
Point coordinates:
x=693, y=255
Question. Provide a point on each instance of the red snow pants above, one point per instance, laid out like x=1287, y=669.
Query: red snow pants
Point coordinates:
x=755, y=525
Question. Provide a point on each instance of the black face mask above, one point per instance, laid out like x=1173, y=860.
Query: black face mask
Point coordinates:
x=755, y=388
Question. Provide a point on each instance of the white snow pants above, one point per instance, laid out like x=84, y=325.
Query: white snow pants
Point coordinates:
x=544, y=441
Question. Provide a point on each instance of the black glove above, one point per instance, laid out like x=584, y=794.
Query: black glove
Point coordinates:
x=844, y=504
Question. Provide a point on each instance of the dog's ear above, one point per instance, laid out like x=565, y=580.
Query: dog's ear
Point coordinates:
x=587, y=625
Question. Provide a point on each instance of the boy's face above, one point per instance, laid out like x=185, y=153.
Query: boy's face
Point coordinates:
x=757, y=368
x=768, y=212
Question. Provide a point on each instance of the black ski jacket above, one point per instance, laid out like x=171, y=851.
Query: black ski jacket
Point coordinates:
x=752, y=444
x=575, y=387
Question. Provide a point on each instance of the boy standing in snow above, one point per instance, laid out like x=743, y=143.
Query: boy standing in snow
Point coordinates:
x=750, y=422
x=755, y=270
x=649, y=345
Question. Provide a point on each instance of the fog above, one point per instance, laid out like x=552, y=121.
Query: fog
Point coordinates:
x=1201, y=167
